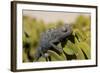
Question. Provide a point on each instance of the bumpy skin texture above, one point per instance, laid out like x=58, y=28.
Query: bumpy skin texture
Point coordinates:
x=50, y=39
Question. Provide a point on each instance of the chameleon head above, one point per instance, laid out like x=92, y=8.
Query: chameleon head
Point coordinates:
x=65, y=27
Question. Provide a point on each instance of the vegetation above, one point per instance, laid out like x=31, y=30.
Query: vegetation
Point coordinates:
x=76, y=47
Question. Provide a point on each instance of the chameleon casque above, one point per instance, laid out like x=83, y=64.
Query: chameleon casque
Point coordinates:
x=49, y=40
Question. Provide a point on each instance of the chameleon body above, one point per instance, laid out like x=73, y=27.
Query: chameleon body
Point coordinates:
x=49, y=40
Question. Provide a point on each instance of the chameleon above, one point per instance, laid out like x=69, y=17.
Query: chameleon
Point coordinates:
x=49, y=40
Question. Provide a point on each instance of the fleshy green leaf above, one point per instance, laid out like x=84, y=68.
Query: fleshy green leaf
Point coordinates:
x=79, y=54
x=85, y=48
x=41, y=59
x=54, y=56
x=68, y=51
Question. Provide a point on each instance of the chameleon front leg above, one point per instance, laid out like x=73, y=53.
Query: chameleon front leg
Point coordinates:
x=60, y=50
x=45, y=55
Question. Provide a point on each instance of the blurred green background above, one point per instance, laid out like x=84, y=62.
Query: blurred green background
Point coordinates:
x=79, y=50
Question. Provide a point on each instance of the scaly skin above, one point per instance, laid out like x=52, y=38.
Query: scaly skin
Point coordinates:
x=50, y=39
